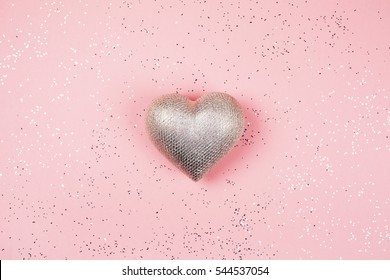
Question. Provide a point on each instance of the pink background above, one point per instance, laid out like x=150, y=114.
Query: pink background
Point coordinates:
x=79, y=178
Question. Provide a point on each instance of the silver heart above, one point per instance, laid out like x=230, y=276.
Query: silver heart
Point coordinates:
x=194, y=135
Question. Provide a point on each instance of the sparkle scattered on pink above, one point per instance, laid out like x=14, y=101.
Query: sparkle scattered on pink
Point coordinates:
x=79, y=178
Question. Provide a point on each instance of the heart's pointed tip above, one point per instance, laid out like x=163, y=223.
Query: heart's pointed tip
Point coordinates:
x=196, y=178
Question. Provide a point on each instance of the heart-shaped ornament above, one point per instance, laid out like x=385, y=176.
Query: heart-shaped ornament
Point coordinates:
x=194, y=135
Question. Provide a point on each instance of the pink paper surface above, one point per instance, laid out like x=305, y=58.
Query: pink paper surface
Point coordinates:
x=309, y=179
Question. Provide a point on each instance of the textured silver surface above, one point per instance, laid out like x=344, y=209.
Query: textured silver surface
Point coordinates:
x=194, y=135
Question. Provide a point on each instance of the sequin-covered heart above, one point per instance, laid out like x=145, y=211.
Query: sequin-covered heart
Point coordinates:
x=194, y=135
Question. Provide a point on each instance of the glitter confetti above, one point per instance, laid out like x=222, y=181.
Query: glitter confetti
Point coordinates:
x=309, y=178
